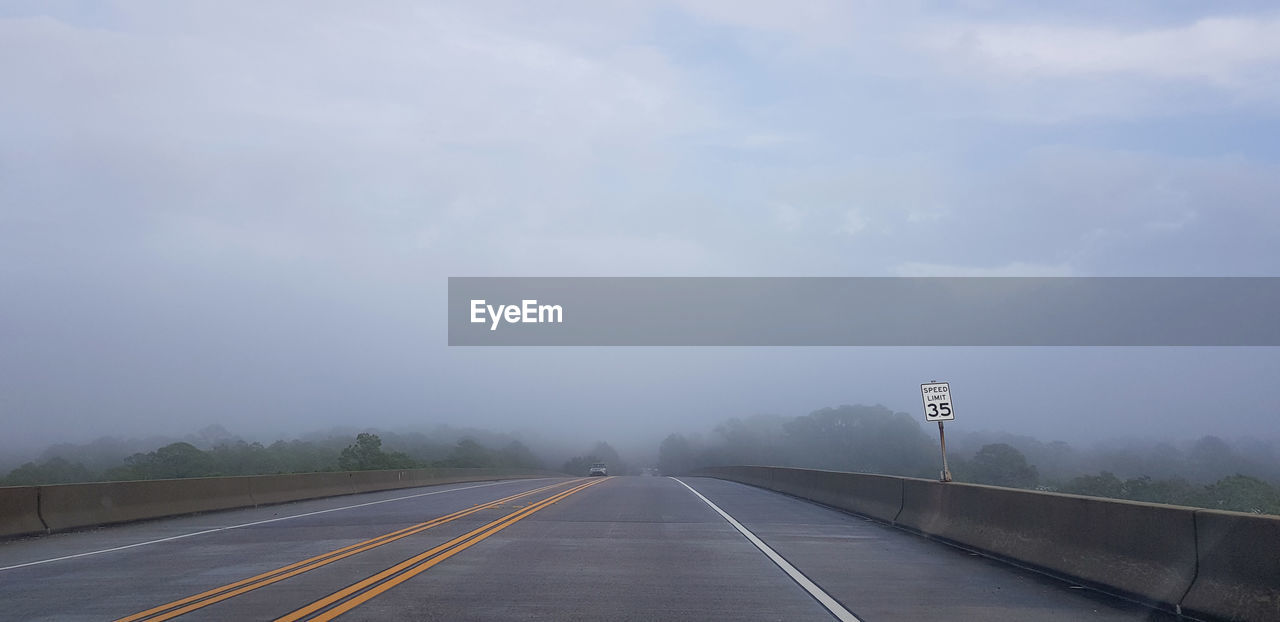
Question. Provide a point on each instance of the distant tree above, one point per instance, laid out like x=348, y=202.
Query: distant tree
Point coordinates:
x=52, y=471
x=116, y=460
x=1242, y=493
x=1211, y=459
x=175, y=460
x=212, y=436
x=601, y=452
x=758, y=439
x=674, y=456
x=578, y=465
x=1105, y=484
x=999, y=464
x=119, y=473
x=868, y=439
x=469, y=454
x=516, y=456
x=1239, y=493
x=241, y=458
x=609, y=455
x=424, y=449
x=1174, y=490
x=366, y=454
x=298, y=456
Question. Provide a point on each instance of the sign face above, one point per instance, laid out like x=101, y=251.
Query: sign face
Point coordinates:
x=937, y=401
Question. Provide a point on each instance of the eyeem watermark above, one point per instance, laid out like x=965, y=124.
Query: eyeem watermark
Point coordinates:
x=864, y=311
x=528, y=312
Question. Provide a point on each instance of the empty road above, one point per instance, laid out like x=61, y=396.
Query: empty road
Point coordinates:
x=615, y=548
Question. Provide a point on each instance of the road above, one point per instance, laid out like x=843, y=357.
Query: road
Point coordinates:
x=616, y=548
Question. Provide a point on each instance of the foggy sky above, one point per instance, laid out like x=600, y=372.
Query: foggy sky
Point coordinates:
x=245, y=214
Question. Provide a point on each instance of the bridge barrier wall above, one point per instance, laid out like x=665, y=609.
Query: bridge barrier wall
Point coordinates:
x=269, y=489
x=1208, y=564
x=67, y=506
x=877, y=496
x=26, y=510
x=754, y=475
x=19, y=511
x=1239, y=575
x=1141, y=549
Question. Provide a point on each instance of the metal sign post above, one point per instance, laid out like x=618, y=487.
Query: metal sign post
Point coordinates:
x=946, y=473
x=938, y=407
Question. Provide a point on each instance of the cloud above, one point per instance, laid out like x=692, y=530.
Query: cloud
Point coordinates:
x=853, y=223
x=920, y=216
x=310, y=133
x=1173, y=224
x=1107, y=212
x=1017, y=268
x=766, y=140
x=824, y=22
x=788, y=217
x=604, y=255
x=174, y=174
x=1224, y=51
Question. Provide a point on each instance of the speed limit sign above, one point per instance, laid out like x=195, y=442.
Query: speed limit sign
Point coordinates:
x=937, y=401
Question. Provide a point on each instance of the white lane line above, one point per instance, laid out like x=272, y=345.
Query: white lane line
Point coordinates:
x=818, y=594
x=261, y=522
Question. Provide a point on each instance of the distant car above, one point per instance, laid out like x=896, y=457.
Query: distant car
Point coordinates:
x=598, y=469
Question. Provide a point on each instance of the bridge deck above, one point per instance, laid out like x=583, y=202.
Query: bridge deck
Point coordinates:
x=623, y=548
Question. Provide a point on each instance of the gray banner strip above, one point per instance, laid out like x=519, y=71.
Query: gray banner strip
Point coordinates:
x=864, y=311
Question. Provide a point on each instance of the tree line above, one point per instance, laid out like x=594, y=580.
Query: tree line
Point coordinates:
x=237, y=457
x=874, y=439
x=601, y=452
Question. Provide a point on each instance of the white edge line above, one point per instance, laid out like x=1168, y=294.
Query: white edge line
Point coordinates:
x=261, y=522
x=818, y=594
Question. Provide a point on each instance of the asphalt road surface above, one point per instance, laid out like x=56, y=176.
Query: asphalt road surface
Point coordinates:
x=615, y=548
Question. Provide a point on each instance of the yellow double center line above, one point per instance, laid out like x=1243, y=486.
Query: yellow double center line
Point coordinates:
x=352, y=596
x=204, y=599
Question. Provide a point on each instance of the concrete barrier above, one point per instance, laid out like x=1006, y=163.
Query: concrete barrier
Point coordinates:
x=268, y=489
x=365, y=481
x=1239, y=577
x=34, y=509
x=1207, y=564
x=67, y=506
x=877, y=496
x=271, y=489
x=1143, y=550
x=20, y=511
x=754, y=475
